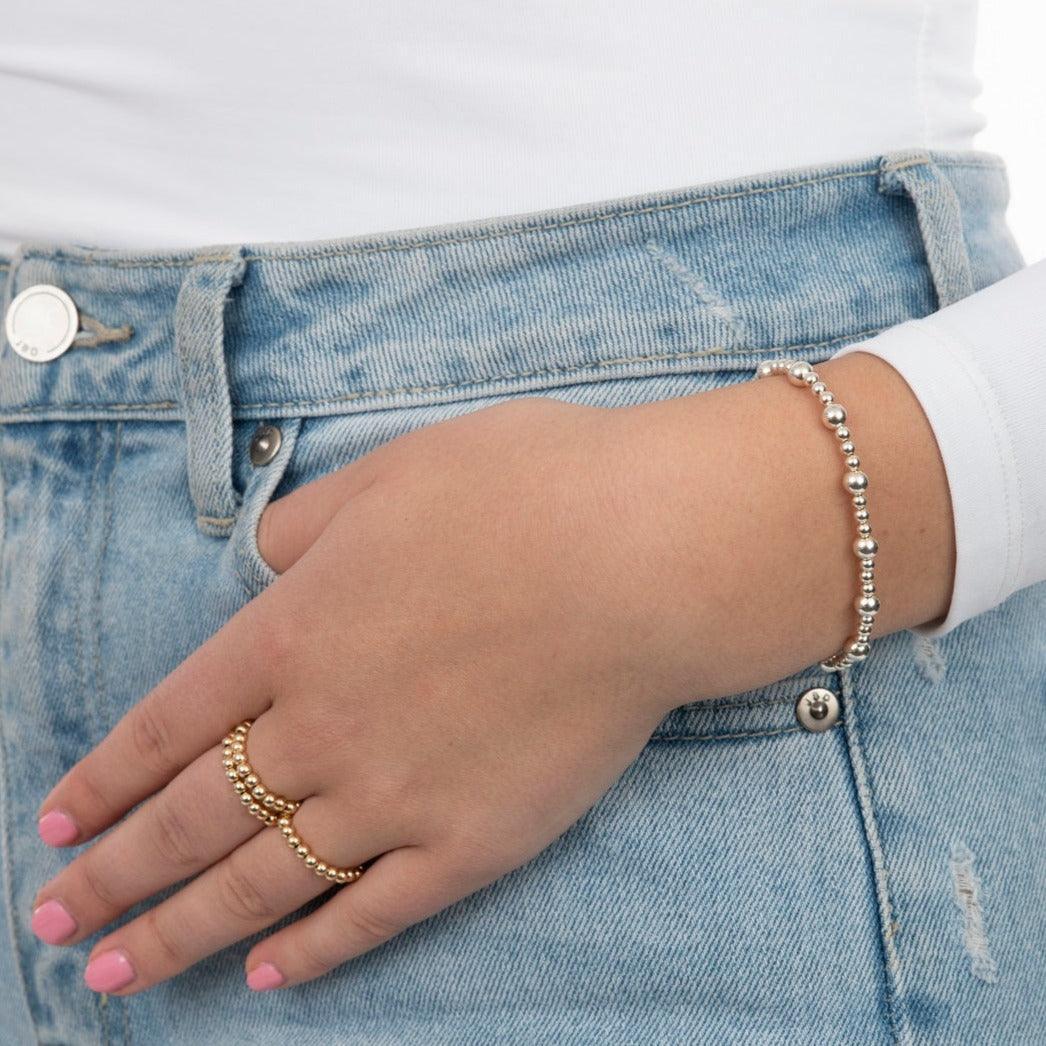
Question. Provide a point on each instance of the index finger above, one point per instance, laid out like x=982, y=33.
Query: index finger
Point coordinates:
x=225, y=680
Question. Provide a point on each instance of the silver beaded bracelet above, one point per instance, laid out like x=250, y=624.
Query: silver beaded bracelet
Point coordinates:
x=855, y=482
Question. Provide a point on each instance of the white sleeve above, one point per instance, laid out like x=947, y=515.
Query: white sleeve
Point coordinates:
x=978, y=368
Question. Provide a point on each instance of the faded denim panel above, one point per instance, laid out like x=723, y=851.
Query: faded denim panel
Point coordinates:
x=744, y=881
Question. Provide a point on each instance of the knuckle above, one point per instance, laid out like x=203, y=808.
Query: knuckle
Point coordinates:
x=174, y=839
x=312, y=958
x=90, y=795
x=150, y=739
x=166, y=939
x=96, y=883
x=240, y=897
x=368, y=926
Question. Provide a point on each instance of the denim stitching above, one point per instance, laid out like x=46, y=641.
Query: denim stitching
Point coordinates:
x=101, y=1000
x=895, y=1011
x=5, y=791
x=103, y=1015
x=593, y=367
x=732, y=737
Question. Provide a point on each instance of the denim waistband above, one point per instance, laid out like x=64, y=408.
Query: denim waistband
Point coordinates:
x=708, y=277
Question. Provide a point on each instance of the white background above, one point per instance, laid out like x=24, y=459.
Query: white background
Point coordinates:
x=1011, y=64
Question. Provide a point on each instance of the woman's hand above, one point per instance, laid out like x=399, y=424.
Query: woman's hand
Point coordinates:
x=475, y=631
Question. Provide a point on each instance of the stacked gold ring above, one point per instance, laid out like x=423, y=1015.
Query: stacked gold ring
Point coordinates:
x=271, y=808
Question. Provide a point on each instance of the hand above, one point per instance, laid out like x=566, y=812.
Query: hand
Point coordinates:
x=475, y=630
x=454, y=665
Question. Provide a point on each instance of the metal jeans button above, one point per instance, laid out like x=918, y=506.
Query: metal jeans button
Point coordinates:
x=265, y=444
x=817, y=710
x=41, y=323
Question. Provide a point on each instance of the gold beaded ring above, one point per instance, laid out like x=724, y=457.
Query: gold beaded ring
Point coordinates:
x=267, y=806
x=274, y=810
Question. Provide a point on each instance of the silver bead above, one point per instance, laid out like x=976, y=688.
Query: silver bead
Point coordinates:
x=797, y=372
x=818, y=387
x=857, y=649
x=833, y=415
x=861, y=514
x=765, y=369
x=867, y=605
x=855, y=482
x=826, y=397
x=842, y=432
x=853, y=461
x=847, y=447
x=866, y=547
x=860, y=501
x=810, y=378
x=864, y=529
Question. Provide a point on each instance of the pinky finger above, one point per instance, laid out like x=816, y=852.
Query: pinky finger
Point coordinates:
x=401, y=888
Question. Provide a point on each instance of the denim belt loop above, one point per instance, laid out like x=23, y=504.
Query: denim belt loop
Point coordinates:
x=939, y=214
x=199, y=329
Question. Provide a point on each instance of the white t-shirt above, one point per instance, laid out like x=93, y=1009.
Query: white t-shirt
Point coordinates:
x=201, y=123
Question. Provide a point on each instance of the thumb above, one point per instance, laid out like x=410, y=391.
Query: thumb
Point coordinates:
x=290, y=525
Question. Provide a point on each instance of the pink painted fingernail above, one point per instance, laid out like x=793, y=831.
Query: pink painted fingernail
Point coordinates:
x=109, y=972
x=52, y=922
x=57, y=828
x=264, y=977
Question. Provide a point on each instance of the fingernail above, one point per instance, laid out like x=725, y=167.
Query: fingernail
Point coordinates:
x=57, y=828
x=109, y=972
x=264, y=977
x=52, y=922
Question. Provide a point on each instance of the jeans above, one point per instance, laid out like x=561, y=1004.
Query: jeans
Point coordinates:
x=747, y=880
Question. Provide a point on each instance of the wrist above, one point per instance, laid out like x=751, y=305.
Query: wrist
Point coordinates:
x=750, y=486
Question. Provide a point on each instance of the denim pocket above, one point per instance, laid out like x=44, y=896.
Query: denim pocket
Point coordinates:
x=262, y=482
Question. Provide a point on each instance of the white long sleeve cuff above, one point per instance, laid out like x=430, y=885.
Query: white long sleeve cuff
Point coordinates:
x=978, y=368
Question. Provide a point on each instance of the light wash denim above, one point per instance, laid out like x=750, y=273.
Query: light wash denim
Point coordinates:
x=746, y=881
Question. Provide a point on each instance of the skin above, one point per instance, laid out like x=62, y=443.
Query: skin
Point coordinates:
x=480, y=625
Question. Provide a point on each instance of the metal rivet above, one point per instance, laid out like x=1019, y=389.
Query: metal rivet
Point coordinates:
x=41, y=323
x=817, y=710
x=265, y=444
